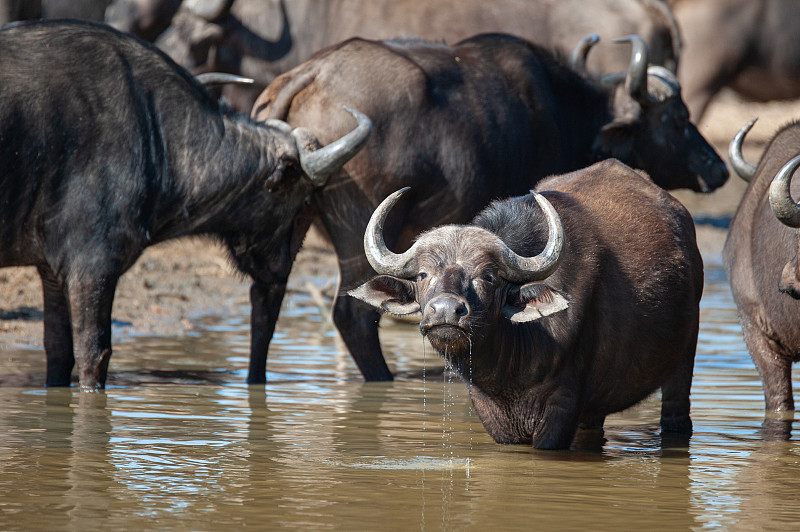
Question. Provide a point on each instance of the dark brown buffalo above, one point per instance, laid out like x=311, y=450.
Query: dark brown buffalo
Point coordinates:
x=462, y=125
x=761, y=256
x=751, y=46
x=556, y=324
x=108, y=147
x=261, y=39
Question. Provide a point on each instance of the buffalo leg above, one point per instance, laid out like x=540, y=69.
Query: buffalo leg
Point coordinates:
x=675, y=403
x=266, y=295
x=557, y=426
x=57, y=330
x=774, y=368
x=356, y=321
x=345, y=211
x=358, y=326
x=592, y=422
x=265, y=300
x=90, y=309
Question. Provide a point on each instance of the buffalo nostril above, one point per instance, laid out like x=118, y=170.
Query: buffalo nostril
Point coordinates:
x=447, y=309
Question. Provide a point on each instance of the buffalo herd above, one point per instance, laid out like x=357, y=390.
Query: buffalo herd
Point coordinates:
x=497, y=169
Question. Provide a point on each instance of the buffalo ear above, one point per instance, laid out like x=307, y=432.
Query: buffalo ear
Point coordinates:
x=388, y=294
x=532, y=301
x=615, y=140
x=790, y=282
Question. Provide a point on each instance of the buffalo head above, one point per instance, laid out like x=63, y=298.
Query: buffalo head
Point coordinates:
x=464, y=279
x=787, y=211
x=650, y=128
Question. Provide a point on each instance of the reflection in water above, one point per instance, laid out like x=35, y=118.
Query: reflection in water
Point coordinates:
x=180, y=442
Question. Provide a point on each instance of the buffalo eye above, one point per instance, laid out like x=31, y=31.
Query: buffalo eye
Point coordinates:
x=421, y=276
x=486, y=278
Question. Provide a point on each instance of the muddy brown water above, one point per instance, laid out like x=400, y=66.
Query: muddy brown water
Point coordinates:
x=179, y=442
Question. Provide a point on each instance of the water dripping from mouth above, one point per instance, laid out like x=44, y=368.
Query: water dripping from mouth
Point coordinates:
x=470, y=403
x=447, y=411
x=424, y=389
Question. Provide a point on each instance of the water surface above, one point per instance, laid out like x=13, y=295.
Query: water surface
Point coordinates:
x=179, y=442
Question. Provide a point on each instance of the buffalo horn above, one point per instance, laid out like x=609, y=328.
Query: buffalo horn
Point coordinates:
x=380, y=258
x=219, y=78
x=667, y=78
x=581, y=51
x=636, y=78
x=319, y=163
x=780, y=197
x=743, y=169
x=518, y=269
x=208, y=9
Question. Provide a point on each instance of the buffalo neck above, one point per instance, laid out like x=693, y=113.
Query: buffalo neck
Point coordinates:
x=219, y=166
x=509, y=355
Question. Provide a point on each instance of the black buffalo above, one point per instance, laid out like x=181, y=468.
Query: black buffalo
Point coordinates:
x=556, y=323
x=462, y=125
x=761, y=256
x=107, y=147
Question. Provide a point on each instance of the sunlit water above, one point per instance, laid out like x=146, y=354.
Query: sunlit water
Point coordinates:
x=179, y=442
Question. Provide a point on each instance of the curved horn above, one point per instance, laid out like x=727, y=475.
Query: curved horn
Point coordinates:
x=319, y=164
x=219, y=78
x=672, y=86
x=208, y=9
x=581, y=51
x=520, y=269
x=743, y=169
x=780, y=197
x=636, y=78
x=380, y=258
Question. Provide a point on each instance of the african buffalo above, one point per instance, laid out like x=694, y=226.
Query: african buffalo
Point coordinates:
x=751, y=46
x=261, y=39
x=462, y=125
x=555, y=323
x=761, y=256
x=107, y=147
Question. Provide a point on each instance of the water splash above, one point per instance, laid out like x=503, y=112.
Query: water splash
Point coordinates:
x=422, y=463
x=469, y=386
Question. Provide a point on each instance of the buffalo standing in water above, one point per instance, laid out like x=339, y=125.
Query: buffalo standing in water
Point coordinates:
x=485, y=118
x=761, y=256
x=107, y=147
x=559, y=308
